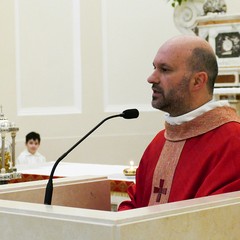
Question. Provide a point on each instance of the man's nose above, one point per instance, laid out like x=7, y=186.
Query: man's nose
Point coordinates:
x=154, y=77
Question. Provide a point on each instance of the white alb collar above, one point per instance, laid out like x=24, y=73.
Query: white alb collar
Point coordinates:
x=195, y=113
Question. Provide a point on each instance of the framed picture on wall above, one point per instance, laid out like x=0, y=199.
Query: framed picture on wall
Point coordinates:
x=228, y=45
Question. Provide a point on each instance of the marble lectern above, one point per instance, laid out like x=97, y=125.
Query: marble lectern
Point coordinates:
x=24, y=216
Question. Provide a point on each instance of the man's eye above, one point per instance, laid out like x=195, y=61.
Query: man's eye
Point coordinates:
x=164, y=69
x=161, y=68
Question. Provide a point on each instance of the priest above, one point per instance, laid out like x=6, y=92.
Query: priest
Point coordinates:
x=198, y=152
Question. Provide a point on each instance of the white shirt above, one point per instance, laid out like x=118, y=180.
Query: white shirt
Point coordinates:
x=30, y=160
x=195, y=113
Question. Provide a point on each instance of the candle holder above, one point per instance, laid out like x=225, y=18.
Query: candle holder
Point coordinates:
x=131, y=171
x=8, y=169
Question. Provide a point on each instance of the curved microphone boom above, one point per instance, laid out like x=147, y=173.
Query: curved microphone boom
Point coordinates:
x=127, y=114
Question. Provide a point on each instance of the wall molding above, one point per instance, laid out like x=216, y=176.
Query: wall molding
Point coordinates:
x=76, y=107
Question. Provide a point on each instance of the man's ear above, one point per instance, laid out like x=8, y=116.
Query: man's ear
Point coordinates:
x=200, y=80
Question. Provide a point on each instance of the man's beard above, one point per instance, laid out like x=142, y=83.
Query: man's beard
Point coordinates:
x=176, y=101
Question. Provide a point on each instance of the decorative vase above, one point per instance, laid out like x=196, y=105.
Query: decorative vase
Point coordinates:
x=214, y=6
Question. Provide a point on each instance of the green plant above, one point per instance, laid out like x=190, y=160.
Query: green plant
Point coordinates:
x=176, y=2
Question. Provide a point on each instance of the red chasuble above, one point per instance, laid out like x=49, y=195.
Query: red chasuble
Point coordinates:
x=195, y=159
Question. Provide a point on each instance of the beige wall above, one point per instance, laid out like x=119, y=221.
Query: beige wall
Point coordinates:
x=67, y=64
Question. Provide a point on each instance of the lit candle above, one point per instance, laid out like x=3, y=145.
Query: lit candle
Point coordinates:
x=130, y=171
x=131, y=165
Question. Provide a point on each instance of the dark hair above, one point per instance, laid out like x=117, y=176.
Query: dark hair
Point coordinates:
x=203, y=59
x=34, y=136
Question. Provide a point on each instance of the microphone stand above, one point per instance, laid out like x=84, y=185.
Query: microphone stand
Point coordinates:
x=49, y=188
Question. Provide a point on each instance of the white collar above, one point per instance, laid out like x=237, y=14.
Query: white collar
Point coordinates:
x=195, y=113
x=30, y=154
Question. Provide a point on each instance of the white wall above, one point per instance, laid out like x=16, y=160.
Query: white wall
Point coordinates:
x=67, y=64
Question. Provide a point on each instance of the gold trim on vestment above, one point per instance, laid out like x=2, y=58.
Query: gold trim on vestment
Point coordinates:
x=165, y=169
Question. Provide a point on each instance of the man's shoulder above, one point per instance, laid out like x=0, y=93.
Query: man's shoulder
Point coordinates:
x=159, y=138
x=232, y=126
x=229, y=130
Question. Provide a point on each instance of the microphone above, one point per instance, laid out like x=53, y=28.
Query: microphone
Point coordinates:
x=127, y=114
x=130, y=113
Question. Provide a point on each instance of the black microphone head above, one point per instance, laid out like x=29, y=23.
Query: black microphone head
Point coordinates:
x=130, y=113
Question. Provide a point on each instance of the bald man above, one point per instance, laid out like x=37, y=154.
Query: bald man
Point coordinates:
x=198, y=152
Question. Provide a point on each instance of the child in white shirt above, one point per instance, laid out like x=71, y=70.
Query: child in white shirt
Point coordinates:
x=30, y=156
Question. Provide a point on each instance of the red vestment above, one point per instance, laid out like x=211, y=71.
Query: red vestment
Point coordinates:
x=209, y=162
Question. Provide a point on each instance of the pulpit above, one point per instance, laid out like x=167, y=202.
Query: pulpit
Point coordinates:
x=80, y=210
